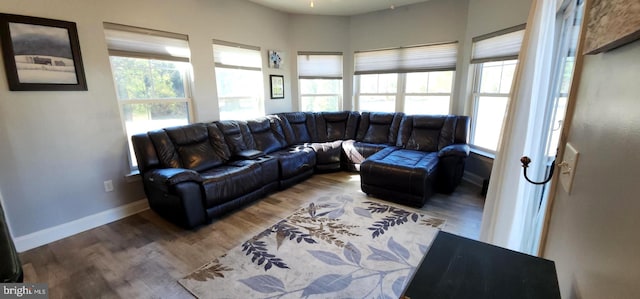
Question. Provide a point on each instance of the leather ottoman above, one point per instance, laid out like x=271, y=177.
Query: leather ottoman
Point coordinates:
x=400, y=175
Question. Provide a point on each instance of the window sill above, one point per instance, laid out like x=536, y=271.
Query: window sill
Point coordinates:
x=483, y=153
x=133, y=176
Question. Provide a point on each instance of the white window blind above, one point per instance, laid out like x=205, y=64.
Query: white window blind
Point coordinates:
x=237, y=56
x=498, y=46
x=138, y=42
x=436, y=57
x=316, y=65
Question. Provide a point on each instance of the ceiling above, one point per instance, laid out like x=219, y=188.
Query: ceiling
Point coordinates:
x=334, y=7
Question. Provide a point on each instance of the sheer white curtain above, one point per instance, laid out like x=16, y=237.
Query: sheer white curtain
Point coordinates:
x=511, y=201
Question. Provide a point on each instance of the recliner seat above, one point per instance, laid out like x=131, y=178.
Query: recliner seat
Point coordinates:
x=376, y=131
x=295, y=163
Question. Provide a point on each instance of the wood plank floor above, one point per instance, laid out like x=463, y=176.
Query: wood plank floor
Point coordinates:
x=143, y=256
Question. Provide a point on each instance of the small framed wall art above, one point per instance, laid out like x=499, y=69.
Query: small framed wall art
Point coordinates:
x=275, y=59
x=277, y=86
x=41, y=54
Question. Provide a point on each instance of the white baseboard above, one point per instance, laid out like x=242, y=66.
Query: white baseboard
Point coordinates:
x=48, y=235
x=473, y=178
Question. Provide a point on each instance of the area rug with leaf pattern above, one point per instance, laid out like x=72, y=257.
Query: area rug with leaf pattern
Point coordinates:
x=339, y=246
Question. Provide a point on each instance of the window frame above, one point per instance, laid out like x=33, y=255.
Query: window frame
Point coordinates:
x=187, y=79
x=340, y=93
x=428, y=94
x=401, y=91
x=477, y=64
x=427, y=58
x=122, y=102
x=475, y=98
x=260, y=96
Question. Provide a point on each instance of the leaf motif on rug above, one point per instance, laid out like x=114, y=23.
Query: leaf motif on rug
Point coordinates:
x=398, y=217
x=433, y=222
x=396, y=254
x=260, y=254
x=323, y=225
x=327, y=284
x=338, y=246
x=210, y=270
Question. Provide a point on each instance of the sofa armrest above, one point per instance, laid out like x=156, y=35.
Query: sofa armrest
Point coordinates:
x=172, y=176
x=454, y=150
x=176, y=194
x=249, y=154
x=451, y=167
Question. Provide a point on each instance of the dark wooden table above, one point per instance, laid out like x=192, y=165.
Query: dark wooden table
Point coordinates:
x=457, y=267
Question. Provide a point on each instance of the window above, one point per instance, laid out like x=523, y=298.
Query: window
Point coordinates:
x=491, y=95
x=151, y=74
x=428, y=93
x=495, y=59
x=566, y=53
x=239, y=80
x=378, y=92
x=320, y=81
x=415, y=80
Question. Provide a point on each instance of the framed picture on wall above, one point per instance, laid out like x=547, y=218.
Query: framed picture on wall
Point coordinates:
x=41, y=54
x=612, y=23
x=277, y=86
x=275, y=59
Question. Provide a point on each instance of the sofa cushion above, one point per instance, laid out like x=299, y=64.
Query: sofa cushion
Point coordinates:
x=165, y=150
x=428, y=133
x=331, y=126
x=194, y=147
x=229, y=181
x=379, y=128
x=237, y=135
x=267, y=134
x=356, y=152
x=328, y=152
x=298, y=127
x=295, y=161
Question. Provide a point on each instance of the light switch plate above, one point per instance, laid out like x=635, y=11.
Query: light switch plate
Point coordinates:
x=568, y=170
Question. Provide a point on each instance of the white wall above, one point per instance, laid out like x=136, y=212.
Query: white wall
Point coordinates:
x=57, y=148
x=593, y=235
x=324, y=34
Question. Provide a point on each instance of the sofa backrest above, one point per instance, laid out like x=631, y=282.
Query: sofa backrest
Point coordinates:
x=432, y=133
x=379, y=127
x=237, y=135
x=196, y=146
x=145, y=152
x=463, y=125
x=267, y=134
x=298, y=127
x=331, y=126
x=202, y=146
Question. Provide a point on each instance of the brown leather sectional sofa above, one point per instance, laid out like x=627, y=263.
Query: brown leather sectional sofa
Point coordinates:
x=196, y=172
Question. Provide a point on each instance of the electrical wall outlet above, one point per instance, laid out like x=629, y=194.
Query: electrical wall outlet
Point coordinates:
x=568, y=167
x=108, y=186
